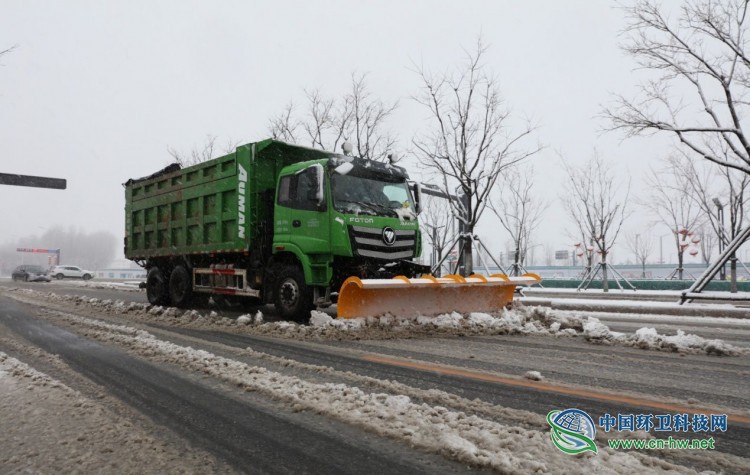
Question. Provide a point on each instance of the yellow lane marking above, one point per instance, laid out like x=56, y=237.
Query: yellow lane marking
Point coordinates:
x=540, y=386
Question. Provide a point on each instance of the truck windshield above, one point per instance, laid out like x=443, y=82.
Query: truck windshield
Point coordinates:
x=359, y=195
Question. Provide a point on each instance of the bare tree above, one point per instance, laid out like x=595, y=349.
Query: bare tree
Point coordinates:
x=584, y=249
x=701, y=52
x=711, y=187
x=368, y=118
x=708, y=243
x=285, y=126
x=519, y=210
x=641, y=245
x=597, y=206
x=8, y=50
x=437, y=222
x=671, y=201
x=470, y=142
x=209, y=150
x=326, y=123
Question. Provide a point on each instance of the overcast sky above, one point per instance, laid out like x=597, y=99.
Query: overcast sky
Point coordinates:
x=96, y=91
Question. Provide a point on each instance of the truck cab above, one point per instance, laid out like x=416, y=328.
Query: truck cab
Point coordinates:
x=342, y=217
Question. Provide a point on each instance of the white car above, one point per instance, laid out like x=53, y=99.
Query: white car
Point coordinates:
x=68, y=272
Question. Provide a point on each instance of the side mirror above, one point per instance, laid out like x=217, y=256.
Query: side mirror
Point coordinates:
x=417, y=191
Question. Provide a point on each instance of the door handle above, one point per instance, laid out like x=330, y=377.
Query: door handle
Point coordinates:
x=296, y=223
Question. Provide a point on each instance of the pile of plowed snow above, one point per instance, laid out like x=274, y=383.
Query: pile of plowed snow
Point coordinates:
x=128, y=286
x=467, y=438
x=519, y=320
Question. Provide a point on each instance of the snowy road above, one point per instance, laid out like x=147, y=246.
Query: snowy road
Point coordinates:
x=731, y=330
x=279, y=398
x=240, y=431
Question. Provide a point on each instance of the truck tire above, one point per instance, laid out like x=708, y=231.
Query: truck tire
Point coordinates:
x=292, y=297
x=156, y=287
x=180, y=287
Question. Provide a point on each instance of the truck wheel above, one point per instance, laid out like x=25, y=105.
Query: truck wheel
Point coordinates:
x=156, y=287
x=293, y=298
x=180, y=287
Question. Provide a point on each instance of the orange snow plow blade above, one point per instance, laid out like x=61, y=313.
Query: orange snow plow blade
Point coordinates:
x=427, y=295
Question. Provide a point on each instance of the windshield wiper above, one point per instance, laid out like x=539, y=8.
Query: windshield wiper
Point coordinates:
x=374, y=207
x=379, y=206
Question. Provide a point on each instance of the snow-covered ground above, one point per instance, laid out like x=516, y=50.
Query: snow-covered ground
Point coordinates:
x=47, y=427
x=640, y=306
x=461, y=436
x=519, y=320
x=130, y=285
x=431, y=420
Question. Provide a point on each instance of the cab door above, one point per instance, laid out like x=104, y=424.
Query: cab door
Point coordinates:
x=302, y=217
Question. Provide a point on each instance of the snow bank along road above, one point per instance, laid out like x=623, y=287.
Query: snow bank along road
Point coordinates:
x=113, y=385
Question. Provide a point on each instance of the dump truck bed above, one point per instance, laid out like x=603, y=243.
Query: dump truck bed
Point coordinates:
x=216, y=206
x=187, y=211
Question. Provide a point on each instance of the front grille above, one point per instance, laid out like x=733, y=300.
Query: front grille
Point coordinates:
x=368, y=242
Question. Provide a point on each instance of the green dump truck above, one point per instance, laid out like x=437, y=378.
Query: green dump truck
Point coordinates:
x=272, y=223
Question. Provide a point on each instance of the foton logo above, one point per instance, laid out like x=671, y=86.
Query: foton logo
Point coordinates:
x=241, y=201
x=389, y=236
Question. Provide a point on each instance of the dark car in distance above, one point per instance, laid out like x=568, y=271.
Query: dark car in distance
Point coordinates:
x=30, y=273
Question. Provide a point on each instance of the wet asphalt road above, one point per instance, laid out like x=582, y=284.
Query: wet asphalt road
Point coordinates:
x=249, y=432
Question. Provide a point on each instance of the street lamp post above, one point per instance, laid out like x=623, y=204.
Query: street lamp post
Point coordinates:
x=720, y=216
